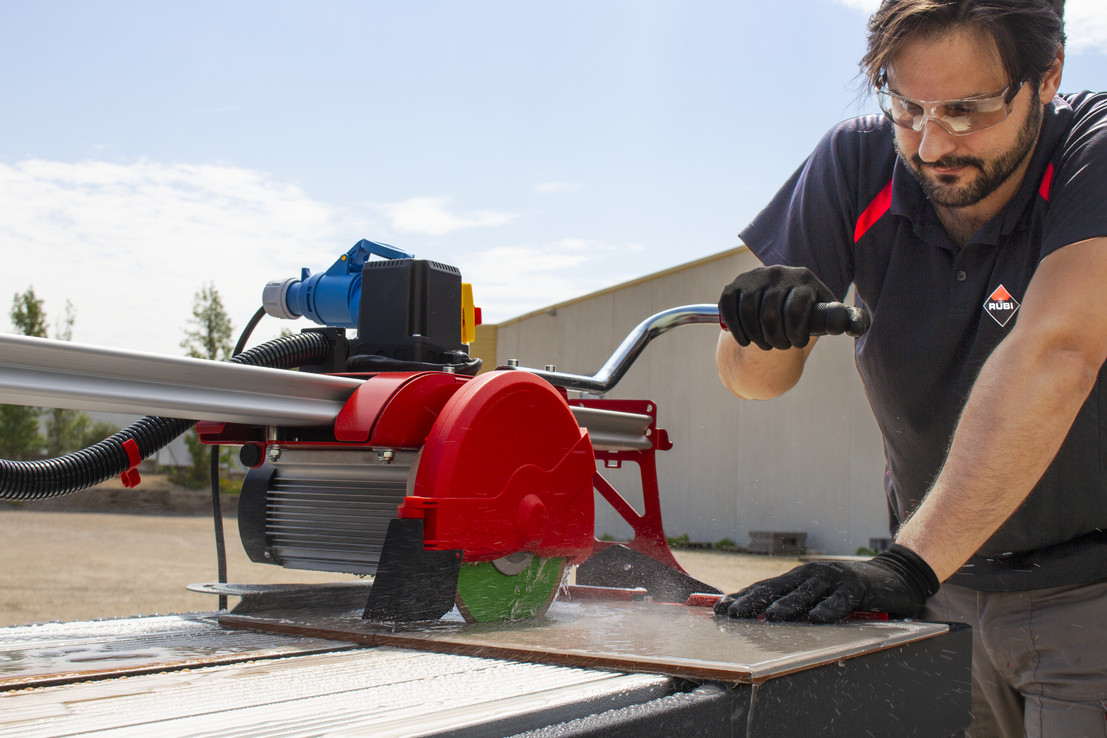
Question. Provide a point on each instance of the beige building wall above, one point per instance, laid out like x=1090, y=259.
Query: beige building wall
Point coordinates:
x=809, y=461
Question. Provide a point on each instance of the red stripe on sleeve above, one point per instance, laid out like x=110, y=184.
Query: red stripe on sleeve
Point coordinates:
x=880, y=205
x=1047, y=183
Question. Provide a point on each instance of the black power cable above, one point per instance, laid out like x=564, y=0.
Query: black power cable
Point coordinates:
x=250, y=326
x=217, y=517
x=216, y=494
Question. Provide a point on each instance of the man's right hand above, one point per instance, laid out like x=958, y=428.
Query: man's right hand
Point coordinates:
x=897, y=581
x=771, y=307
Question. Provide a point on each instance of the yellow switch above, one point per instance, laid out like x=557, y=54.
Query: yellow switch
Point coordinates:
x=468, y=314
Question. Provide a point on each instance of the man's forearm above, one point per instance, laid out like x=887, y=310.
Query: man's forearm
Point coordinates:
x=1032, y=394
x=754, y=374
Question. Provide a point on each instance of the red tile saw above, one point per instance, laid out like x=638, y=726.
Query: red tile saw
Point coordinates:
x=447, y=486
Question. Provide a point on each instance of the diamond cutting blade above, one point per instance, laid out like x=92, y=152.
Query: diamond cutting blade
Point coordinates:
x=486, y=594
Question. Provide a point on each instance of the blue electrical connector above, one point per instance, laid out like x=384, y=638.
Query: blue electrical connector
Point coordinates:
x=331, y=298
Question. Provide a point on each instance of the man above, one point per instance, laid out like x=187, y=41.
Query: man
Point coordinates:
x=972, y=220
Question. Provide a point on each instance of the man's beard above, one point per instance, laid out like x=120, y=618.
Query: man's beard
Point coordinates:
x=941, y=189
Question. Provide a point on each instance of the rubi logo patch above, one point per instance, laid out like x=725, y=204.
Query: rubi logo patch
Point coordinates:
x=1001, y=306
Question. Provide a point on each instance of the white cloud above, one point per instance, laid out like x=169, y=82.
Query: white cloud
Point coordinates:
x=1085, y=22
x=576, y=244
x=509, y=281
x=557, y=188
x=129, y=244
x=869, y=6
x=1086, y=25
x=428, y=215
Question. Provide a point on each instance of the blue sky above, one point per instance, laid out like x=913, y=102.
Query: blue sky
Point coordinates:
x=545, y=149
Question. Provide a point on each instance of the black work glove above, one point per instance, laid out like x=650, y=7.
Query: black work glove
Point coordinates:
x=771, y=306
x=896, y=581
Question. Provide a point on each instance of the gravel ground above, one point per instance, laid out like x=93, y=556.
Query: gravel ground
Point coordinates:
x=77, y=566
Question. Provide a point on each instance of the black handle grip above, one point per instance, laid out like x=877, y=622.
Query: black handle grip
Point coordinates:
x=836, y=318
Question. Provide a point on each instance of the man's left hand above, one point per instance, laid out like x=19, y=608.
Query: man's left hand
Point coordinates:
x=897, y=582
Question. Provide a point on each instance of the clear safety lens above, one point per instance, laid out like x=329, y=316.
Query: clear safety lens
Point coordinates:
x=959, y=117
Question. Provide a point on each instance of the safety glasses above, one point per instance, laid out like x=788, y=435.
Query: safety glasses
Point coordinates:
x=958, y=117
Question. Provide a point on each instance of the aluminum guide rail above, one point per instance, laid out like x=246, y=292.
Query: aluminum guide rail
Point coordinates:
x=611, y=430
x=50, y=373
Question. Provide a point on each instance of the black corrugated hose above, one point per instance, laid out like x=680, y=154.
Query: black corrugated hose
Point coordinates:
x=39, y=480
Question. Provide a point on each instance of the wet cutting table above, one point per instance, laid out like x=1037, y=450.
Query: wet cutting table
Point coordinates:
x=586, y=668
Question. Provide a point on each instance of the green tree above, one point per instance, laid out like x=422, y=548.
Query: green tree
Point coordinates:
x=199, y=473
x=19, y=434
x=208, y=336
x=96, y=432
x=28, y=314
x=66, y=429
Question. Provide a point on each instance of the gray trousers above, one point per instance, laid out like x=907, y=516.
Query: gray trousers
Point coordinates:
x=1039, y=661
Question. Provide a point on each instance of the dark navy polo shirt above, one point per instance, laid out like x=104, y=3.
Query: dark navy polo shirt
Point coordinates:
x=854, y=214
